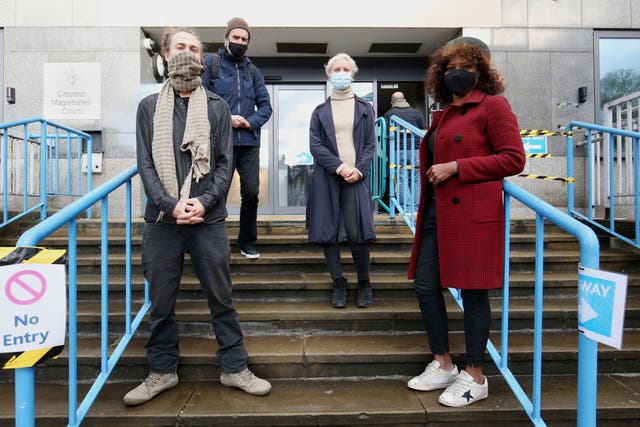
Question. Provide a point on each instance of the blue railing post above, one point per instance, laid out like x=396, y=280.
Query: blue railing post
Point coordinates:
x=587, y=348
x=570, y=186
x=393, y=170
x=43, y=169
x=25, y=397
x=5, y=176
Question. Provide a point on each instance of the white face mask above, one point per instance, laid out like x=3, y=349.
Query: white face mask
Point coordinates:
x=341, y=80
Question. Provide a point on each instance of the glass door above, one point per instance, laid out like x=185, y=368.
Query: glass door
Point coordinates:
x=291, y=160
x=285, y=160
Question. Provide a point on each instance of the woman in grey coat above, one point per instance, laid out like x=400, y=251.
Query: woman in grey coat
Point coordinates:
x=342, y=141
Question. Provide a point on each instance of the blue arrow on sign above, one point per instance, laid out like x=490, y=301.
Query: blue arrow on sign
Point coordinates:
x=597, y=296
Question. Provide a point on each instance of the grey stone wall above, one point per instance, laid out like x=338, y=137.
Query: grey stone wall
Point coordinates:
x=543, y=48
x=27, y=49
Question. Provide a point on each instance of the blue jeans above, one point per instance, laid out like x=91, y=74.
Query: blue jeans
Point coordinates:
x=405, y=185
x=163, y=249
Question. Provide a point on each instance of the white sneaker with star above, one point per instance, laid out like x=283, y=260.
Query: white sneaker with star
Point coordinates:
x=464, y=391
x=433, y=378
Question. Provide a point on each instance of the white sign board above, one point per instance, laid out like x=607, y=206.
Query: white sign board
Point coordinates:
x=33, y=307
x=601, y=305
x=72, y=90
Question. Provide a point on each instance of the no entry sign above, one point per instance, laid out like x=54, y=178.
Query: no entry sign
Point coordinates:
x=32, y=307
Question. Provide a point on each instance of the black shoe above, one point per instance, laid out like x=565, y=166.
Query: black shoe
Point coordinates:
x=339, y=297
x=365, y=294
x=250, y=252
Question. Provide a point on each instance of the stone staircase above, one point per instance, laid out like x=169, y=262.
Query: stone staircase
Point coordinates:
x=337, y=367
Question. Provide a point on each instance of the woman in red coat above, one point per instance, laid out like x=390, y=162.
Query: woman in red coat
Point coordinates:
x=471, y=145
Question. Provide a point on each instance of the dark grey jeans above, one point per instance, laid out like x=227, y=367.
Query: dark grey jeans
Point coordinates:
x=477, y=309
x=163, y=249
x=246, y=160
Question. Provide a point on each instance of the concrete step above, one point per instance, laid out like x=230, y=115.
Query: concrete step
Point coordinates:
x=305, y=356
x=317, y=286
x=311, y=260
x=386, y=315
x=332, y=402
x=298, y=241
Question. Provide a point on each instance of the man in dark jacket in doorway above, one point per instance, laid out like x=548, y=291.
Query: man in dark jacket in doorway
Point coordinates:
x=401, y=108
x=231, y=75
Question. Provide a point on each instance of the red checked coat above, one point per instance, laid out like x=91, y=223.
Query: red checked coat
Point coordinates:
x=483, y=136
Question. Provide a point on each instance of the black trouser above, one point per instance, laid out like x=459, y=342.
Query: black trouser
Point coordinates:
x=477, y=310
x=163, y=249
x=350, y=220
x=246, y=160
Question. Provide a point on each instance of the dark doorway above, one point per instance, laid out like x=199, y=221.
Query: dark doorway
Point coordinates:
x=413, y=93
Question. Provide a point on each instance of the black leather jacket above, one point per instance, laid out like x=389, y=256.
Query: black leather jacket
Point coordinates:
x=212, y=189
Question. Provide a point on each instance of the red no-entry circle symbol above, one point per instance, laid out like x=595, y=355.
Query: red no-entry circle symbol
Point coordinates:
x=25, y=287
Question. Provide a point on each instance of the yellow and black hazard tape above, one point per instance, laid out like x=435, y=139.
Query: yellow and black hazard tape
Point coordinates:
x=542, y=132
x=408, y=167
x=538, y=156
x=546, y=177
x=30, y=255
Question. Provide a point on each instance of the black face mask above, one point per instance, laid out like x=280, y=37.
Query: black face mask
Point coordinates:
x=237, y=50
x=460, y=82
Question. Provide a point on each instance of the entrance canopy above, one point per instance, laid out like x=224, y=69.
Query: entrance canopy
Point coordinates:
x=314, y=41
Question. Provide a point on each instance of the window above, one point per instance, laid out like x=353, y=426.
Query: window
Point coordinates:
x=617, y=76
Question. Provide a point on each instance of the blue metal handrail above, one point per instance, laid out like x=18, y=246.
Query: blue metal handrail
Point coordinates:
x=47, y=164
x=24, y=377
x=378, y=175
x=608, y=137
x=404, y=139
x=587, y=348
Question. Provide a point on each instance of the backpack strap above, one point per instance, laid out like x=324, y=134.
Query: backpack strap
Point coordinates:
x=212, y=61
x=252, y=71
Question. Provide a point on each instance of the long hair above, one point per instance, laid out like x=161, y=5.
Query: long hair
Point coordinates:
x=489, y=80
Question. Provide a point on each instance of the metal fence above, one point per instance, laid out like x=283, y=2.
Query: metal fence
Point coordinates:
x=612, y=181
x=24, y=377
x=41, y=159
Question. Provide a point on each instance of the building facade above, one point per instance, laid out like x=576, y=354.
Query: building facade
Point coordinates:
x=553, y=55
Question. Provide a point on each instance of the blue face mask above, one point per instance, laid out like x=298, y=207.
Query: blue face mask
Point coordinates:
x=341, y=80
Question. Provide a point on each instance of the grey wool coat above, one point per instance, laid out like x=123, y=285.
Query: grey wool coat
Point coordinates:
x=323, y=203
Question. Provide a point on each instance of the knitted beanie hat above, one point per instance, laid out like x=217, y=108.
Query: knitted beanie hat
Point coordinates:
x=237, y=23
x=472, y=41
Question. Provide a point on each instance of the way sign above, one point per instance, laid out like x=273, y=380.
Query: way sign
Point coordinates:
x=535, y=144
x=32, y=307
x=601, y=305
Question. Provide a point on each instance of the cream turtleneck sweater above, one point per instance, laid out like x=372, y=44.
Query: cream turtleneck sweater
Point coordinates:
x=343, y=110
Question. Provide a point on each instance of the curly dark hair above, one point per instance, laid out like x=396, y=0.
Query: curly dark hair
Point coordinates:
x=489, y=80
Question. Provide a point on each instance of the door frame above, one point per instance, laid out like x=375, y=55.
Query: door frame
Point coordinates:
x=273, y=207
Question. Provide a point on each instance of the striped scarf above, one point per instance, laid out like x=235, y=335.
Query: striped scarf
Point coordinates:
x=184, y=75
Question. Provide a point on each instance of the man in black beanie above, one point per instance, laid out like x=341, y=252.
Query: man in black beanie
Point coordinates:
x=231, y=75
